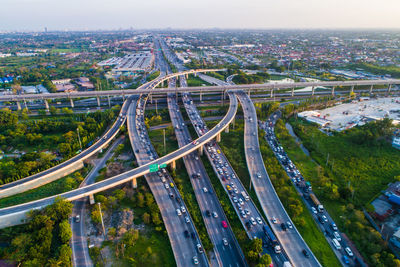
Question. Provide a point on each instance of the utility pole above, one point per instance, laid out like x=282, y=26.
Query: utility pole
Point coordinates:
x=165, y=148
x=156, y=108
x=102, y=222
x=79, y=138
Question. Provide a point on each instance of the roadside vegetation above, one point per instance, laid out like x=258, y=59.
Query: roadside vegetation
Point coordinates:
x=233, y=147
x=195, y=81
x=43, y=241
x=34, y=144
x=360, y=164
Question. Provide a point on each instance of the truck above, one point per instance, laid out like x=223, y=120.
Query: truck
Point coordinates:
x=308, y=186
x=316, y=202
x=287, y=264
x=272, y=240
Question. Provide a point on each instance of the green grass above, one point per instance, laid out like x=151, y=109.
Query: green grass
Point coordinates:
x=233, y=147
x=195, y=81
x=65, y=50
x=59, y=186
x=366, y=168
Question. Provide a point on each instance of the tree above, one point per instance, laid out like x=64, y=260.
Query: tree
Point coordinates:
x=53, y=111
x=65, y=231
x=146, y=218
x=265, y=260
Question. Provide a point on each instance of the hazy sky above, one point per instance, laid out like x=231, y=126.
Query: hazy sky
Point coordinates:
x=115, y=14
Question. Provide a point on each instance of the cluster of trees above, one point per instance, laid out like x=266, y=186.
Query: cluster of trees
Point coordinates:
x=253, y=253
x=265, y=109
x=243, y=78
x=57, y=134
x=394, y=71
x=360, y=165
x=45, y=239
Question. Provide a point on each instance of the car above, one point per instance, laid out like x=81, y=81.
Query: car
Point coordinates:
x=166, y=186
x=306, y=253
x=289, y=225
x=349, y=252
x=178, y=211
x=178, y=200
x=171, y=195
x=258, y=175
x=235, y=190
x=253, y=221
x=259, y=220
x=321, y=220
x=334, y=227
x=208, y=213
x=337, y=236
x=199, y=248
x=324, y=218
x=235, y=199
x=346, y=259
x=215, y=215
x=77, y=218
x=225, y=241
x=171, y=184
x=187, y=219
x=247, y=211
x=314, y=210
x=274, y=220
x=283, y=226
x=243, y=214
x=228, y=188
x=195, y=260
x=183, y=209
x=224, y=224
x=248, y=225
x=241, y=201
x=186, y=233
x=205, y=189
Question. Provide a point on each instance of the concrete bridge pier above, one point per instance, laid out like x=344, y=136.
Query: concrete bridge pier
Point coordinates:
x=46, y=104
x=195, y=74
x=272, y=92
x=151, y=98
x=201, y=150
x=123, y=98
x=91, y=199
x=333, y=90
x=109, y=101
x=248, y=93
x=26, y=106
x=72, y=103
x=18, y=105
x=187, y=76
x=312, y=90
x=371, y=88
x=219, y=137
x=98, y=101
x=293, y=91
x=201, y=96
x=389, y=88
x=134, y=183
x=352, y=89
x=227, y=129
x=173, y=165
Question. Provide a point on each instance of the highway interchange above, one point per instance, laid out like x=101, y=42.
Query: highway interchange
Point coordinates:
x=182, y=233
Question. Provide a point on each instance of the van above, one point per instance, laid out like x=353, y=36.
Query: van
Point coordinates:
x=336, y=244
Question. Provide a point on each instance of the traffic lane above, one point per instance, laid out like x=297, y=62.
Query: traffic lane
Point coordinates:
x=292, y=243
x=183, y=248
x=207, y=201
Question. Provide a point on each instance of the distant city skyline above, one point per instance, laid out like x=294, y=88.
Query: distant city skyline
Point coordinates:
x=36, y=15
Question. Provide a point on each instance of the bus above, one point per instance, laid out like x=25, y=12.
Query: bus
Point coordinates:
x=273, y=241
x=316, y=202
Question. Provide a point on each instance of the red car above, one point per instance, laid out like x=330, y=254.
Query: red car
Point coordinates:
x=224, y=224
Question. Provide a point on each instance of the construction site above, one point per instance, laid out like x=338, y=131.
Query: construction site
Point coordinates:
x=358, y=112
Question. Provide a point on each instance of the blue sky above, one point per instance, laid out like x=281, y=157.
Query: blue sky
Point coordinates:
x=139, y=14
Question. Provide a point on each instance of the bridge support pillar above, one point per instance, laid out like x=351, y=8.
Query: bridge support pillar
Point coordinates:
x=151, y=98
x=201, y=96
x=219, y=137
x=91, y=199
x=109, y=101
x=248, y=93
x=389, y=88
x=352, y=89
x=227, y=129
x=201, y=150
x=18, y=105
x=72, y=103
x=312, y=90
x=123, y=98
x=272, y=92
x=187, y=76
x=134, y=183
x=98, y=101
x=195, y=74
x=26, y=106
x=333, y=90
x=293, y=91
x=371, y=88
x=173, y=165
x=46, y=104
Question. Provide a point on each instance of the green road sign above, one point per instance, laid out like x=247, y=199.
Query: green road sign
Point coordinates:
x=153, y=167
x=163, y=165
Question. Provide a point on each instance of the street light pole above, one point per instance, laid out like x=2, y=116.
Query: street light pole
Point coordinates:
x=79, y=138
x=165, y=149
x=102, y=222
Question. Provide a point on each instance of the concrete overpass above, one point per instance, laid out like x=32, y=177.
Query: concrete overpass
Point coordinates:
x=76, y=162
x=17, y=214
x=270, y=87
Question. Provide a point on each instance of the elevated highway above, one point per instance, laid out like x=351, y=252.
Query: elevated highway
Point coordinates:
x=17, y=214
x=272, y=88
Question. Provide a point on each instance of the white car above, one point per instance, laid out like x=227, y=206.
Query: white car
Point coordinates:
x=178, y=211
x=166, y=186
x=349, y=252
x=225, y=241
x=215, y=215
x=289, y=225
x=337, y=236
x=241, y=201
x=183, y=209
x=243, y=214
x=187, y=219
x=314, y=210
x=259, y=220
x=274, y=220
x=205, y=190
x=253, y=222
x=235, y=199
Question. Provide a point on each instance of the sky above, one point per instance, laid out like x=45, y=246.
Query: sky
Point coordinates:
x=26, y=15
